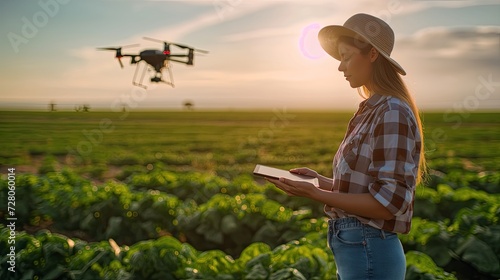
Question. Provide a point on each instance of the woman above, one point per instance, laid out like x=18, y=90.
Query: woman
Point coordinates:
x=379, y=162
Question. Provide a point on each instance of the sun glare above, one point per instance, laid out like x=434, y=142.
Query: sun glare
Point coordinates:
x=308, y=42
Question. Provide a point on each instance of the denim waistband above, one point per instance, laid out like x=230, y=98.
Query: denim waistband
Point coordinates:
x=350, y=223
x=347, y=222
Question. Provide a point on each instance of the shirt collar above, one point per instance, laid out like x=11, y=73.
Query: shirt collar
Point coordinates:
x=373, y=100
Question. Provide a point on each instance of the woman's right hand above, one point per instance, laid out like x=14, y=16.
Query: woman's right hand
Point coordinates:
x=325, y=183
x=305, y=171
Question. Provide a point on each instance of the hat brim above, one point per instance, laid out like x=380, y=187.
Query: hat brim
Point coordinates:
x=329, y=35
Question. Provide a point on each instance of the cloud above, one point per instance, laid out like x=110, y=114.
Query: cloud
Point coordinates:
x=451, y=50
x=466, y=43
x=223, y=11
x=445, y=64
x=401, y=7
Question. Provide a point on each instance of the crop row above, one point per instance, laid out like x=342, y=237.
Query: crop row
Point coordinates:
x=53, y=256
x=455, y=225
x=229, y=219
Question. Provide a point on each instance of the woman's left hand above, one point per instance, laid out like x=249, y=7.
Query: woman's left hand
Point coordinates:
x=294, y=188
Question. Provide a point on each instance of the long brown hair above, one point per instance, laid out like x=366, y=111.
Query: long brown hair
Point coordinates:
x=387, y=81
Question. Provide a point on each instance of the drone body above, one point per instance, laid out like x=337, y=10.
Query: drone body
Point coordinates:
x=157, y=60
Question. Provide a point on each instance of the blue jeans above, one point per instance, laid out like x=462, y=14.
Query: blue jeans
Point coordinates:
x=364, y=252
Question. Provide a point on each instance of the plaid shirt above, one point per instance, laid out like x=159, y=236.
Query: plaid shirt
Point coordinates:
x=380, y=155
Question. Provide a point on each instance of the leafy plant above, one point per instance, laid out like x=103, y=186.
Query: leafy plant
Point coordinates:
x=232, y=223
x=422, y=267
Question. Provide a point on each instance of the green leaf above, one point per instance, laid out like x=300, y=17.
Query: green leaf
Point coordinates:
x=55, y=273
x=28, y=275
x=215, y=263
x=262, y=259
x=257, y=272
x=114, y=227
x=287, y=273
x=420, y=266
x=267, y=233
x=437, y=248
x=229, y=224
x=477, y=253
x=214, y=235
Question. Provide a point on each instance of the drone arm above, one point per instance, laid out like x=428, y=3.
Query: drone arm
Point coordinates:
x=180, y=61
x=134, y=58
x=120, y=61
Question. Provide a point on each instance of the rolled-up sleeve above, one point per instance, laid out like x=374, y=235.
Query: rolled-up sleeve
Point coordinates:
x=394, y=164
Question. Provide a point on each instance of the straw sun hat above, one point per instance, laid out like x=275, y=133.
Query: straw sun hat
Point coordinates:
x=364, y=29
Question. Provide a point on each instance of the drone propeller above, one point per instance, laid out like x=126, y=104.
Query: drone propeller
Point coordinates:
x=153, y=39
x=118, y=50
x=189, y=48
x=167, y=44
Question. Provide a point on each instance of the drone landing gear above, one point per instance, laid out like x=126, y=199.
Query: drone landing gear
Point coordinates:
x=134, y=80
x=157, y=78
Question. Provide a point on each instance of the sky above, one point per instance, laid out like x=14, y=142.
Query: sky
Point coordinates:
x=262, y=54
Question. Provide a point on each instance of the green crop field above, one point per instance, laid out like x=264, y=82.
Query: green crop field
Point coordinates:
x=170, y=195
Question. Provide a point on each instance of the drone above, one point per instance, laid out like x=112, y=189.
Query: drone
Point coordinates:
x=156, y=60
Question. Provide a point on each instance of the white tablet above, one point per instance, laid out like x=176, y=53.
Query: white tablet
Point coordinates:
x=275, y=173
